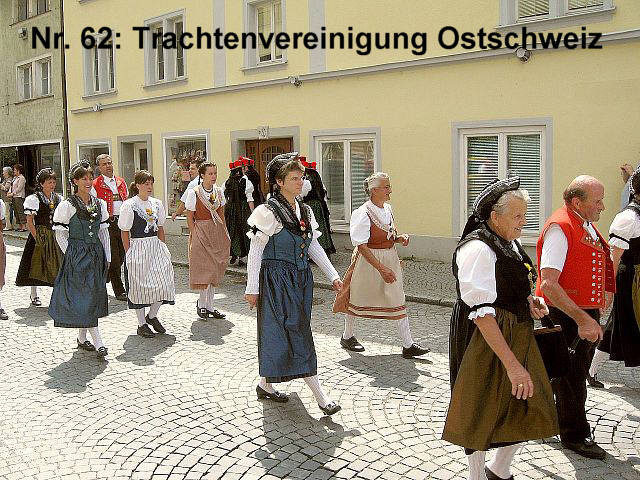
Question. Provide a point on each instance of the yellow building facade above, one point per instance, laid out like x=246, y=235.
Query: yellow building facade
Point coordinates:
x=442, y=124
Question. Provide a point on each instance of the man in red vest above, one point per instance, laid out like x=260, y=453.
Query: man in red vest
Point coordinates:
x=575, y=277
x=112, y=190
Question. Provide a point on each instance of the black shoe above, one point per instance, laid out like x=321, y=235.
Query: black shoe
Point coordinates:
x=145, y=331
x=587, y=448
x=594, y=382
x=3, y=314
x=122, y=297
x=351, y=344
x=215, y=314
x=331, y=408
x=102, y=352
x=492, y=476
x=35, y=301
x=86, y=345
x=275, y=396
x=155, y=323
x=233, y=259
x=414, y=350
x=203, y=313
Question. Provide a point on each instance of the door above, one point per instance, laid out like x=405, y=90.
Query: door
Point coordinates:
x=263, y=151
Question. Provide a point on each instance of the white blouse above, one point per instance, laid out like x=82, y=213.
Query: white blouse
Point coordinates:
x=360, y=224
x=626, y=224
x=192, y=184
x=61, y=217
x=32, y=203
x=125, y=221
x=267, y=224
x=190, y=201
x=476, y=263
x=248, y=189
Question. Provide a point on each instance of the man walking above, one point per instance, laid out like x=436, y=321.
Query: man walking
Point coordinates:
x=112, y=190
x=576, y=279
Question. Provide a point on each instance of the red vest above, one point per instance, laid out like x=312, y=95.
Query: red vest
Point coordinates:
x=106, y=194
x=588, y=269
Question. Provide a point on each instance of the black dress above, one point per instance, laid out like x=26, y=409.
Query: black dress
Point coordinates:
x=236, y=214
x=316, y=200
x=254, y=178
x=622, y=335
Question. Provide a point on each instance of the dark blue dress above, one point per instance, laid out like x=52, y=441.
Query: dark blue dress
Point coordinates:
x=285, y=344
x=79, y=295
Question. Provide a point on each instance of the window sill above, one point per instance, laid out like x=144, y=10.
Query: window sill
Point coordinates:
x=265, y=67
x=100, y=94
x=163, y=83
x=20, y=102
x=17, y=22
x=567, y=20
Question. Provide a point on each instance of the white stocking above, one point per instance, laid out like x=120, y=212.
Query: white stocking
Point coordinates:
x=314, y=384
x=211, y=293
x=34, y=292
x=501, y=462
x=476, y=466
x=598, y=359
x=349, y=324
x=140, y=315
x=202, y=301
x=153, y=309
x=405, y=332
x=266, y=386
x=97, y=339
x=82, y=335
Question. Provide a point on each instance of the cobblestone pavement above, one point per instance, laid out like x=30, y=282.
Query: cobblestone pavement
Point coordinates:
x=183, y=406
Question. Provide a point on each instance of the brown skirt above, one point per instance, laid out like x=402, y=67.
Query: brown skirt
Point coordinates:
x=208, y=254
x=482, y=412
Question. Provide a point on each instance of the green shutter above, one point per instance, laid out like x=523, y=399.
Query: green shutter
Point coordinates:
x=523, y=159
x=532, y=8
x=577, y=4
x=482, y=165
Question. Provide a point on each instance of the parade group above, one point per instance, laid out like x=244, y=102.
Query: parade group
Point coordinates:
x=505, y=389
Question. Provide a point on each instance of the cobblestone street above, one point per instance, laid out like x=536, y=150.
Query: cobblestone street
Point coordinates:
x=183, y=406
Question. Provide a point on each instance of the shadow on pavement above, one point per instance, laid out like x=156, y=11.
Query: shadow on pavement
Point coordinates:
x=295, y=438
x=140, y=351
x=73, y=375
x=31, y=316
x=405, y=371
x=211, y=332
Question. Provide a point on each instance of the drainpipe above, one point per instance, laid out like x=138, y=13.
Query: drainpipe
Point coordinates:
x=65, y=118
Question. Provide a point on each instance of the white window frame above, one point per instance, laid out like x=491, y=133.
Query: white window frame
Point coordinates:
x=251, y=55
x=559, y=14
x=170, y=65
x=106, y=67
x=346, y=139
x=33, y=65
x=528, y=236
x=100, y=143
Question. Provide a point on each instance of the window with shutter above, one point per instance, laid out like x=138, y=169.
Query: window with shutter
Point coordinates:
x=361, y=168
x=578, y=4
x=532, y=8
x=523, y=159
x=482, y=165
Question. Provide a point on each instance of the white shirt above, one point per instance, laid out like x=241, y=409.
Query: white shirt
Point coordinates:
x=192, y=184
x=306, y=188
x=626, y=224
x=555, y=246
x=360, y=224
x=248, y=189
x=125, y=221
x=476, y=263
x=111, y=183
x=190, y=200
x=32, y=203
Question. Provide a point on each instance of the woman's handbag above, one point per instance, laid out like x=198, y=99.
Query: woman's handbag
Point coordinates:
x=553, y=348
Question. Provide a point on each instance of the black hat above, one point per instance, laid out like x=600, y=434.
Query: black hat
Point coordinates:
x=486, y=200
x=634, y=182
x=44, y=174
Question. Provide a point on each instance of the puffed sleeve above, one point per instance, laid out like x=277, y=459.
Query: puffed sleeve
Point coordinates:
x=477, y=277
x=263, y=221
x=125, y=221
x=223, y=199
x=62, y=214
x=190, y=201
x=104, y=220
x=162, y=213
x=360, y=226
x=248, y=190
x=624, y=227
x=31, y=205
x=306, y=188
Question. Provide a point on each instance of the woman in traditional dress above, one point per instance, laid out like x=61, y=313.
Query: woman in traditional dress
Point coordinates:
x=314, y=194
x=238, y=192
x=149, y=272
x=254, y=177
x=621, y=341
x=501, y=394
x=79, y=295
x=208, y=239
x=3, y=257
x=373, y=285
x=284, y=234
x=41, y=258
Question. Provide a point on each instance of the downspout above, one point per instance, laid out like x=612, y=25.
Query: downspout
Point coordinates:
x=65, y=117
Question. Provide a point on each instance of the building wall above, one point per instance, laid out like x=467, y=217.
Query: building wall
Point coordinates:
x=37, y=119
x=589, y=99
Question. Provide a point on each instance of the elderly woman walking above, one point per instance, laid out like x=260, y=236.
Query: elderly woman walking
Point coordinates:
x=17, y=194
x=501, y=394
x=373, y=285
